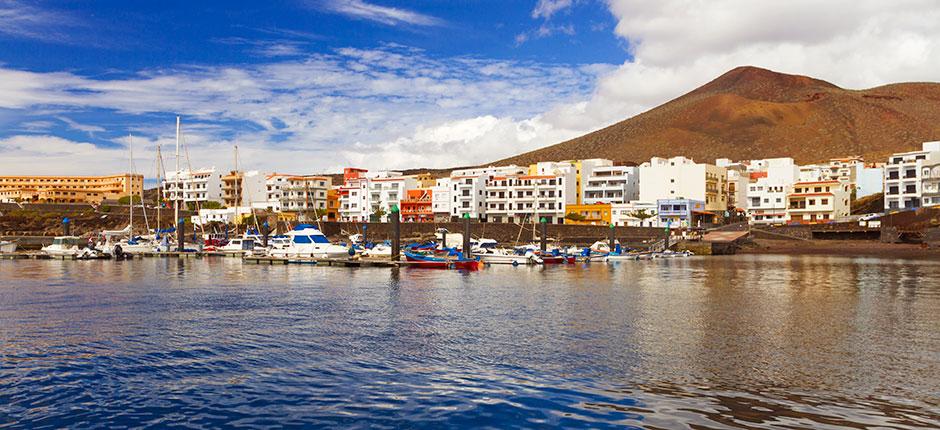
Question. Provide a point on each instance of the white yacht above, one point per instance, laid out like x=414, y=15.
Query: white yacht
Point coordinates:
x=111, y=244
x=501, y=256
x=307, y=241
x=242, y=245
x=69, y=246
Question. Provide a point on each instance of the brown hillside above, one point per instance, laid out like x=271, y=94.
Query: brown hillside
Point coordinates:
x=750, y=113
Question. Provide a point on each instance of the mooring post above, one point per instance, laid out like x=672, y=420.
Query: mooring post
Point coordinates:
x=543, y=242
x=611, y=238
x=666, y=240
x=66, y=227
x=444, y=239
x=466, y=235
x=396, y=233
x=265, y=231
x=180, y=234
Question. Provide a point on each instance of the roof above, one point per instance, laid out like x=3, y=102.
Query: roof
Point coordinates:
x=809, y=194
x=816, y=182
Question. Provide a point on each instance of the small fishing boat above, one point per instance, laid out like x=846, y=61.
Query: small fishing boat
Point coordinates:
x=242, y=245
x=379, y=250
x=7, y=247
x=557, y=259
x=672, y=254
x=430, y=262
x=499, y=256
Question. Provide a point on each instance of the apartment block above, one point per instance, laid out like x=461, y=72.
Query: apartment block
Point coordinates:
x=529, y=198
x=243, y=188
x=69, y=189
x=440, y=200
x=683, y=178
x=297, y=193
x=818, y=202
x=683, y=213
x=417, y=206
x=766, y=198
x=905, y=177
x=193, y=186
x=607, y=183
x=468, y=189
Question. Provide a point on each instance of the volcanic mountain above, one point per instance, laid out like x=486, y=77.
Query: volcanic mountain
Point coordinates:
x=751, y=113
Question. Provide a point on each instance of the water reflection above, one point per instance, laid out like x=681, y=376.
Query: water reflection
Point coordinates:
x=748, y=341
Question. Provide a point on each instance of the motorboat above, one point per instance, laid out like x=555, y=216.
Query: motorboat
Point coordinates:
x=74, y=246
x=308, y=241
x=242, y=245
x=379, y=250
x=7, y=247
x=500, y=256
x=672, y=254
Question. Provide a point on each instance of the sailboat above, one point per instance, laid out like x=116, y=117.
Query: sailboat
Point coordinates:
x=118, y=242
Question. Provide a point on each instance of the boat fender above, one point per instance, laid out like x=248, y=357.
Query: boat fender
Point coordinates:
x=515, y=263
x=118, y=252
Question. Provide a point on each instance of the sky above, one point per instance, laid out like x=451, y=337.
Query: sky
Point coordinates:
x=312, y=86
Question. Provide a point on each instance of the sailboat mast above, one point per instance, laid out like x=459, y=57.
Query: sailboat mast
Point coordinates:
x=238, y=201
x=130, y=182
x=159, y=185
x=179, y=186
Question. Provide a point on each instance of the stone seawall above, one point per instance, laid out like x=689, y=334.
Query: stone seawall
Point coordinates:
x=503, y=233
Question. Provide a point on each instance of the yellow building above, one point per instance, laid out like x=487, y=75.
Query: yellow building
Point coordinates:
x=332, y=205
x=425, y=180
x=598, y=214
x=69, y=189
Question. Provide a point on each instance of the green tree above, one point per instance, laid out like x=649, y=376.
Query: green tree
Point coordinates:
x=205, y=205
x=641, y=214
x=377, y=214
x=574, y=216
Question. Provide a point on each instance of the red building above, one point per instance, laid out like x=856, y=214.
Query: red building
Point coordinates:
x=417, y=206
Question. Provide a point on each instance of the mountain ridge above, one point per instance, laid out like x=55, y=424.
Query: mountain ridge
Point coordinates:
x=751, y=113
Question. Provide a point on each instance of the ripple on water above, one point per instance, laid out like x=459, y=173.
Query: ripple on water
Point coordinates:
x=752, y=342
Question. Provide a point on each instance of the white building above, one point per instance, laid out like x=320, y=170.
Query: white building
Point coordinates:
x=905, y=175
x=468, y=189
x=766, y=200
x=529, y=198
x=296, y=193
x=193, y=186
x=386, y=190
x=607, y=183
x=635, y=214
x=440, y=200
x=870, y=180
x=811, y=173
x=818, y=202
x=738, y=179
x=244, y=188
x=224, y=215
x=683, y=178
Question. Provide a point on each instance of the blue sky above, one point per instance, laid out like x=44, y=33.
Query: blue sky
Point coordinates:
x=315, y=85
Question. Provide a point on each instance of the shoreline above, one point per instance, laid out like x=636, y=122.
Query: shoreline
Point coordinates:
x=839, y=248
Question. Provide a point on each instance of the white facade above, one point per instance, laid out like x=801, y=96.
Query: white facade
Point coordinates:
x=683, y=178
x=224, y=216
x=386, y=190
x=193, y=186
x=818, y=202
x=610, y=184
x=626, y=214
x=253, y=188
x=766, y=200
x=905, y=177
x=440, y=198
x=296, y=193
x=528, y=198
x=870, y=181
x=468, y=189
x=354, y=204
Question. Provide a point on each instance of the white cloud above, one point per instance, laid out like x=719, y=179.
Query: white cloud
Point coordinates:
x=26, y=21
x=90, y=129
x=547, y=8
x=361, y=9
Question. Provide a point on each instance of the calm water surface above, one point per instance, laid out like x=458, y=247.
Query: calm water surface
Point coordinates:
x=737, y=342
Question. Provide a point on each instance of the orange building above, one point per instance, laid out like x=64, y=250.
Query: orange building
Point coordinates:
x=332, y=205
x=417, y=206
x=69, y=189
